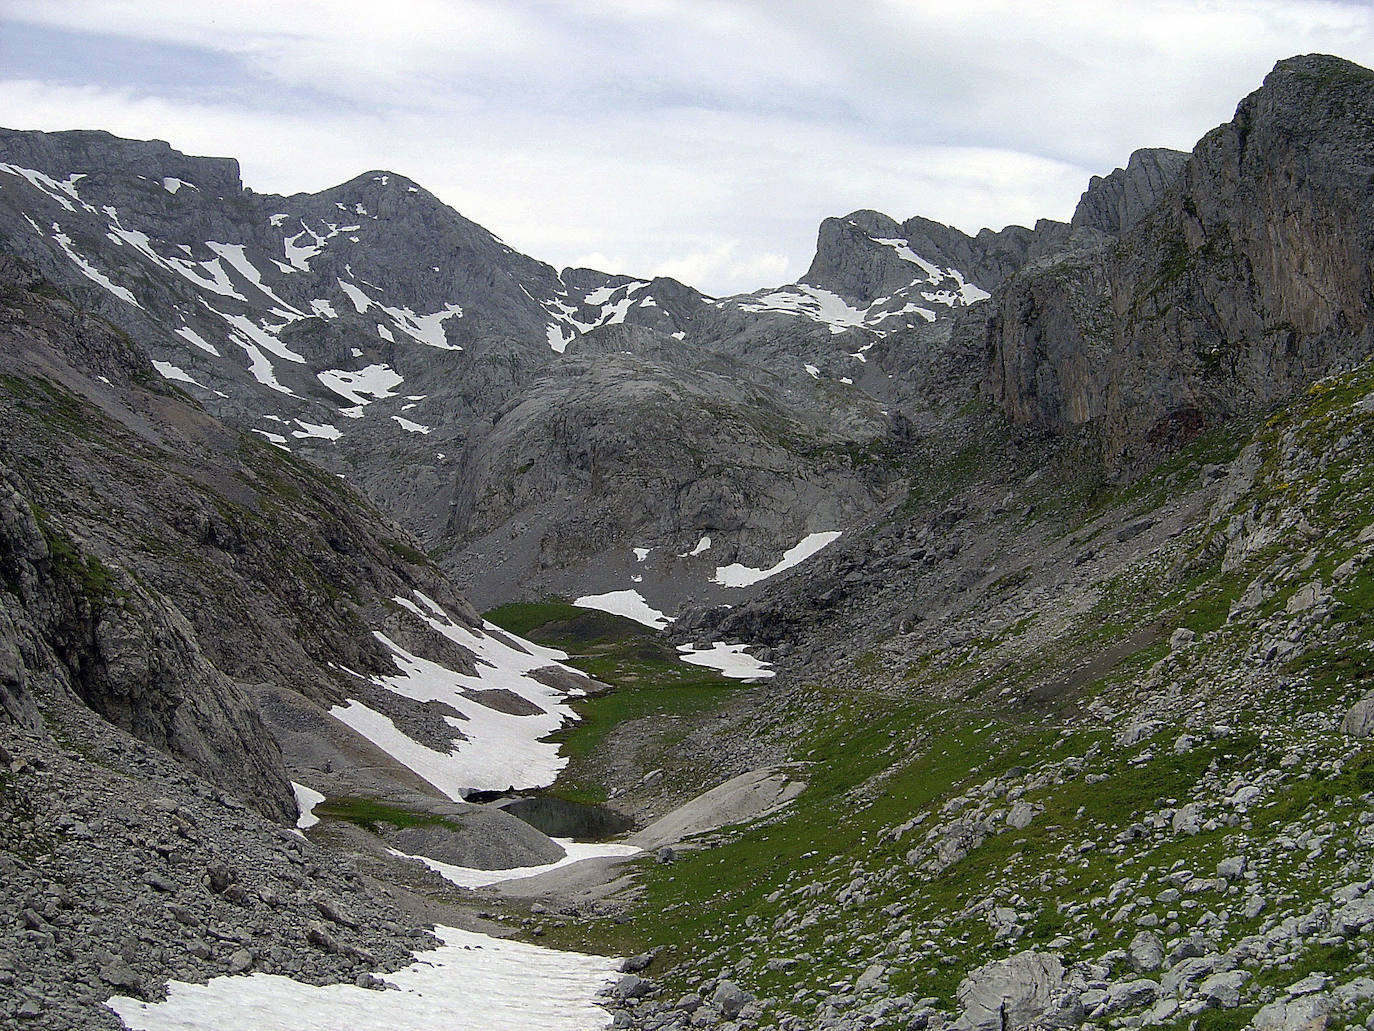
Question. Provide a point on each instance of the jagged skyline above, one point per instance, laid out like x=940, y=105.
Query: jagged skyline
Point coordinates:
x=698, y=141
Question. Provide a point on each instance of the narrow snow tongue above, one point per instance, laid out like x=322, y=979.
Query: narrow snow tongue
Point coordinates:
x=470, y=983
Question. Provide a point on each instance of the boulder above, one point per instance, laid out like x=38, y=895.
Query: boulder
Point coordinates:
x=1021, y=815
x=1231, y=867
x=1146, y=952
x=1131, y=994
x=1016, y=992
x=1181, y=638
x=730, y=998
x=1353, y=917
x=1359, y=720
x=1222, y=989
x=1180, y=979
x=1306, y=1014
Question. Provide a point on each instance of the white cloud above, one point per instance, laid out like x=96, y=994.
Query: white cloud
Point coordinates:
x=722, y=263
x=704, y=140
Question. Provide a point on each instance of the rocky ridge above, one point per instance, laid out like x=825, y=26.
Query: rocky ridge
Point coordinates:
x=371, y=329
x=1246, y=281
x=1084, y=720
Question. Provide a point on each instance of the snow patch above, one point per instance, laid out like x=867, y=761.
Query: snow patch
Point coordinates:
x=306, y=801
x=260, y=366
x=573, y=852
x=732, y=660
x=812, y=302
x=557, y=340
x=499, y=750
x=412, y=427
x=61, y=192
x=628, y=603
x=273, y=438
x=375, y=381
x=87, y=269
x=310, y=429
x=737, y=575
x=187, y=333
x=169, y=371
x=472, y=982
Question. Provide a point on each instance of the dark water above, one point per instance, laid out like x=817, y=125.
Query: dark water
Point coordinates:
x=560, y=819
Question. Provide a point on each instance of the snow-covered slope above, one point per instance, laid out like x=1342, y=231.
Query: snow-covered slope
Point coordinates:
x=500, y=713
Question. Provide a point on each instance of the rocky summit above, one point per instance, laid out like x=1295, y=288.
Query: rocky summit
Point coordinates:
x=977, y=633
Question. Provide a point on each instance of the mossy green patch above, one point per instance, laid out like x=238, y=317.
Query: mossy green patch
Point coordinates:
x=369, y=813
x=646, y=677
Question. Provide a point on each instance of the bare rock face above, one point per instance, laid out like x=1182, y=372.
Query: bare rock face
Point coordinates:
x=153, y=561
x=1115, y=202
x=88, y=629
x=483, y=839
x=1248, y=279
x=866, y=255
x=609, y=450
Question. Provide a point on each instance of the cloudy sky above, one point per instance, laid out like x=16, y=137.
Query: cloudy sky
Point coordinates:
x=699, y=139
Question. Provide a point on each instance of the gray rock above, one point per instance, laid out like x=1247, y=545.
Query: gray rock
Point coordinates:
x=1057, y=340
x=1181, y=638
x=1188, y=820
x=730, y=999
x=873, y=974
x=1232, y=867
x=1021, y=815
x=1180, y=979
x=1223, y=989
x=1137, y=732
x=118, y=974
x=634, y=964
x=1309, y=1013
x=1016, y=992
x=1359, y=719
x=241, y=962
x=632, y=986
x=1115, y=202
x=1131, y=994
x=1353, y=917
x=1146, y=952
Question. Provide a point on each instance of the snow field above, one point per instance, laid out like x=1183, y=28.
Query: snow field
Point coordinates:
x=472, y=982
x=306, y=801
x=732, y=660
x=500, y=750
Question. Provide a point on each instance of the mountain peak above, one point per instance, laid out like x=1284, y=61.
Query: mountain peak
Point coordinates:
x=1115, y=202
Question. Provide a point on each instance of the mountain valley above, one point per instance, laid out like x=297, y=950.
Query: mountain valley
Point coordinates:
x=977, y=633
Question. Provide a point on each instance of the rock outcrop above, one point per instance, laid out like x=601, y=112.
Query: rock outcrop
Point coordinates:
x=1115, y=202
x=1248, y=279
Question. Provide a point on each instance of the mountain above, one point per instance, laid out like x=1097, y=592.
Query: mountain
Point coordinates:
x=1244, y=283
x=377, y=332
x=1050, y=548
